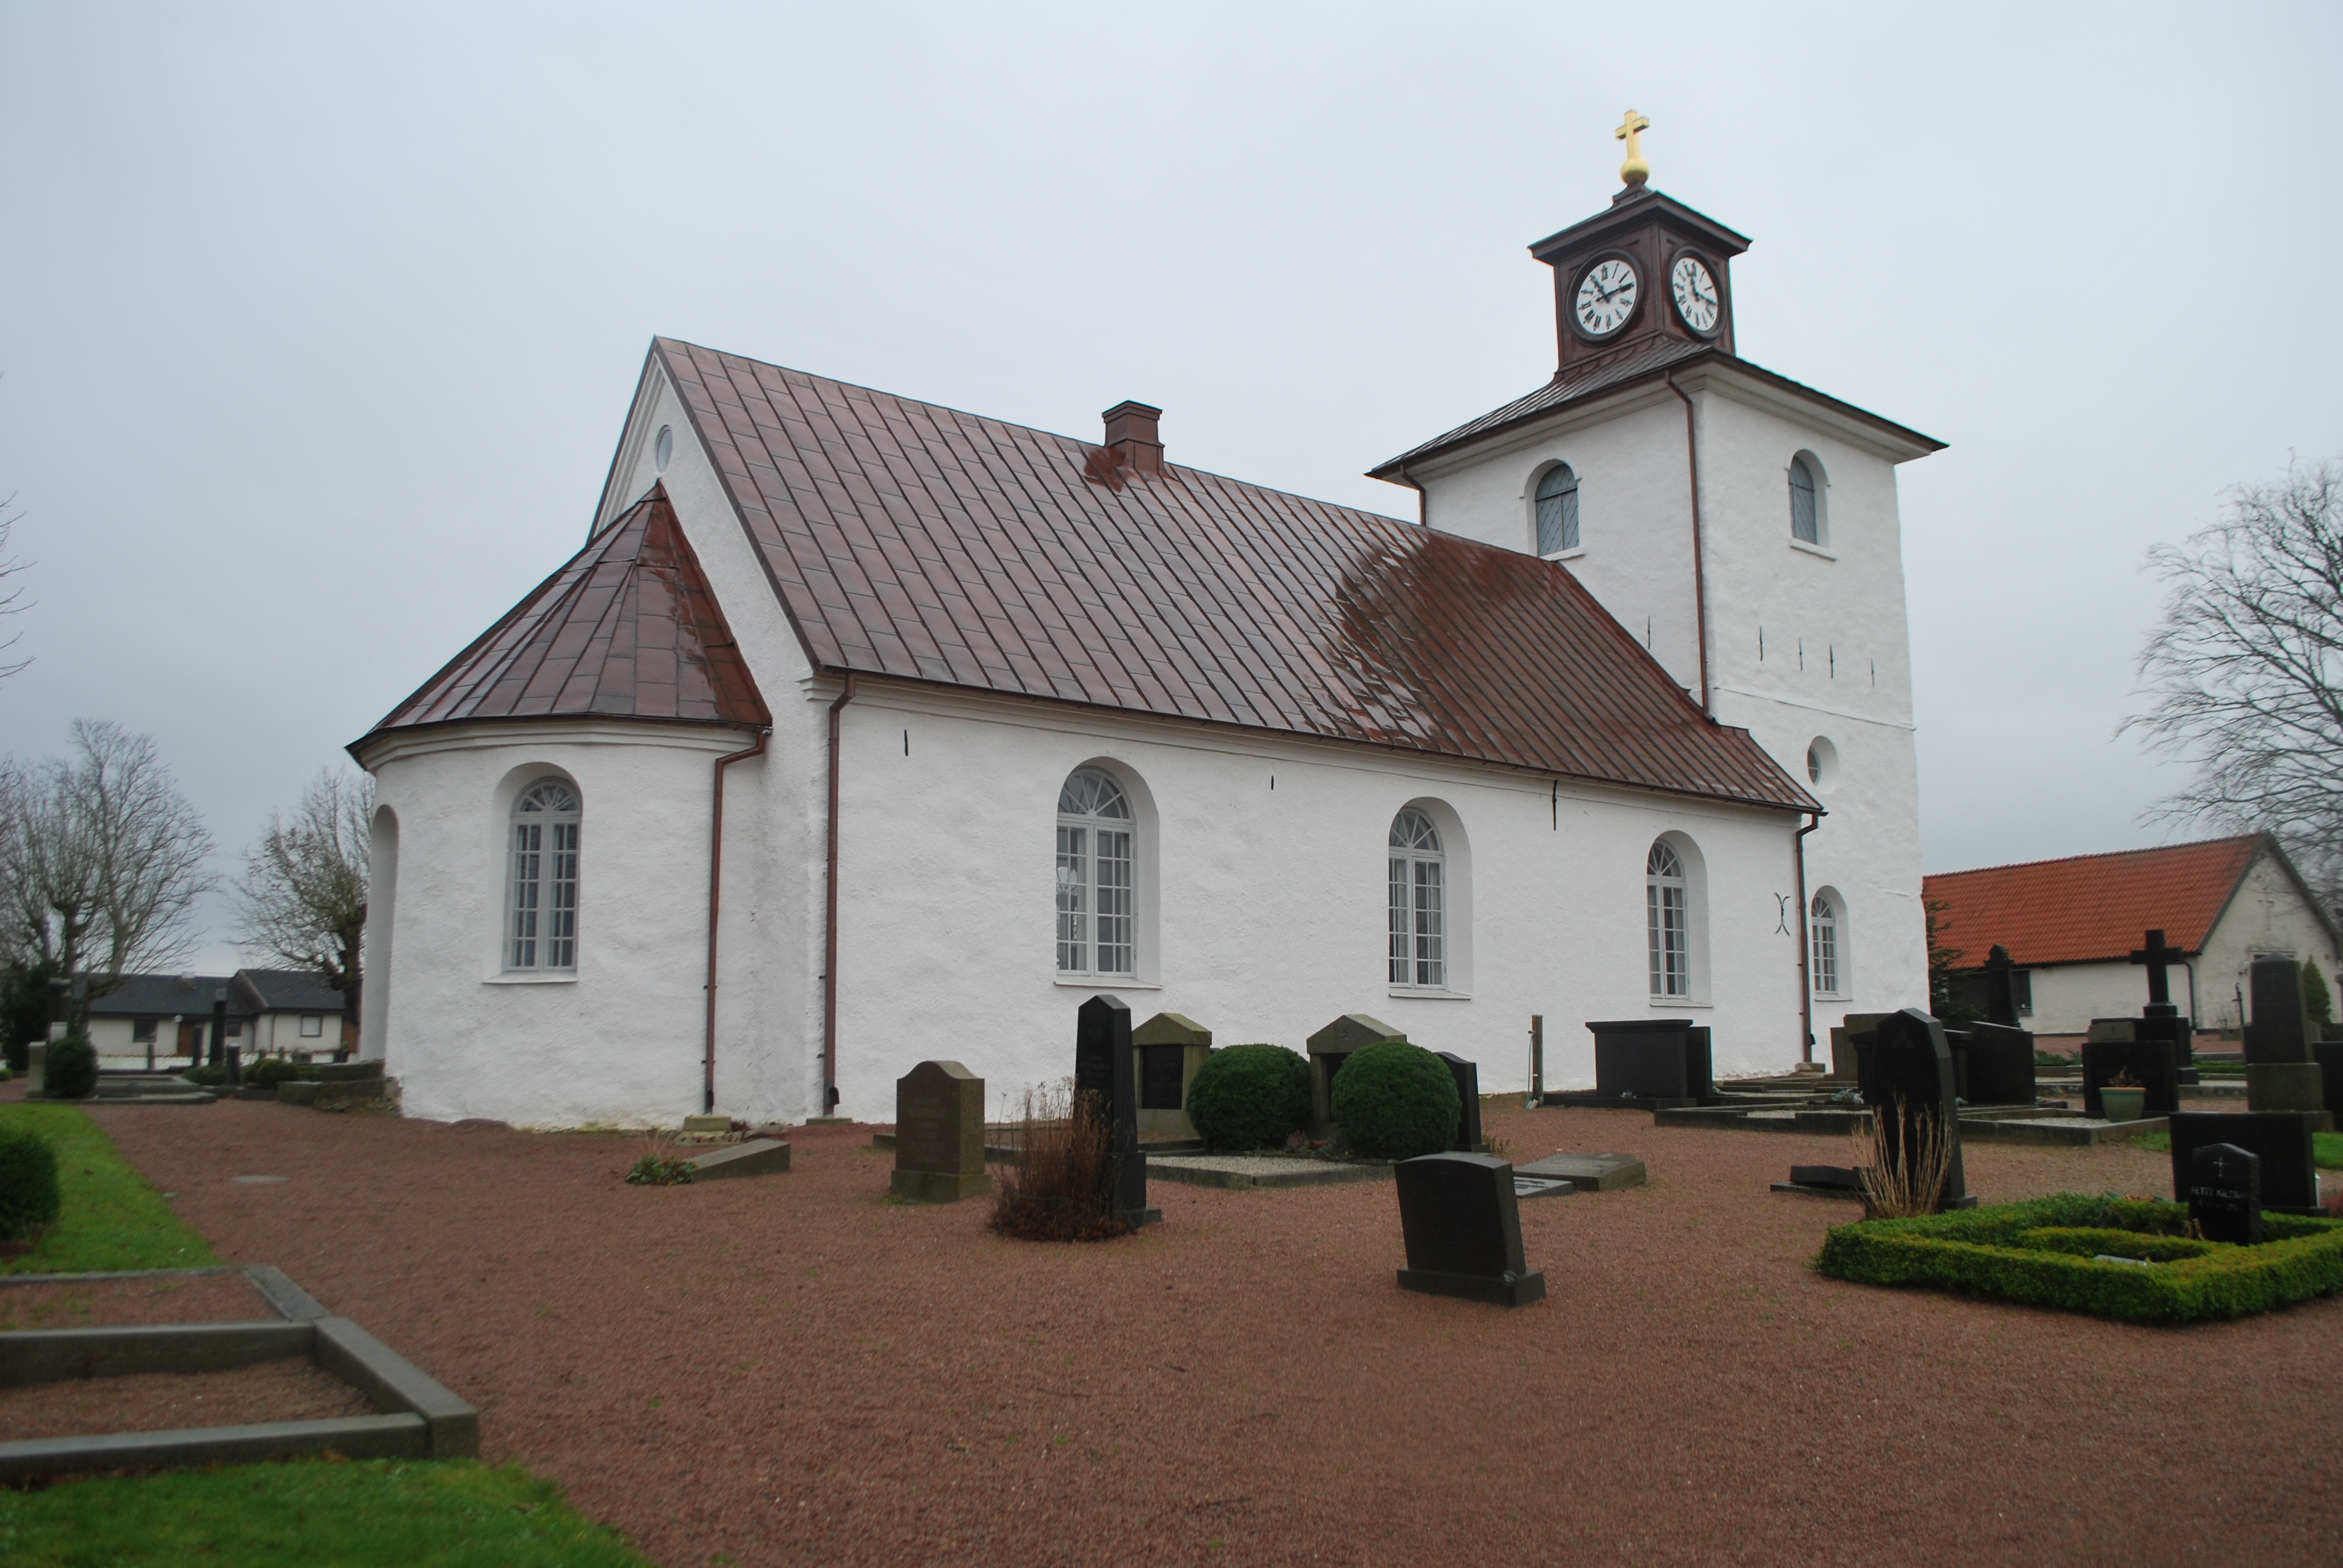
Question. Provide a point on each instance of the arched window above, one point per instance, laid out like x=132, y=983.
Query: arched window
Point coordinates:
x=542, y=921
x=1667, y=911
x=1557, y=511
x=1806, y=514
x=1419, y=910
x=1097, y=934
x=1823, y=924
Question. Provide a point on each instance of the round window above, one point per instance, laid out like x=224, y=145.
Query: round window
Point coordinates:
x=664, y=447
x=1821, y=764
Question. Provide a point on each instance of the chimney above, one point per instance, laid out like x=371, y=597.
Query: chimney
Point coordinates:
x=1131, y=437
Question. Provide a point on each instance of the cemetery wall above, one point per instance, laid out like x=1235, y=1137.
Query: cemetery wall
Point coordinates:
x=1263, y=908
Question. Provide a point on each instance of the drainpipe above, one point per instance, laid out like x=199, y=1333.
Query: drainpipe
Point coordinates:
x=1805, y=942
x=830, y=921
x=1699, y=579
x=716, y=911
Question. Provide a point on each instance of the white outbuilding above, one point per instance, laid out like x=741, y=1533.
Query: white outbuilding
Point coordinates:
x=863, y=731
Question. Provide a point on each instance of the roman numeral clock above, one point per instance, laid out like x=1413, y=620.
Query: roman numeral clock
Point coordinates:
x=1649, y=274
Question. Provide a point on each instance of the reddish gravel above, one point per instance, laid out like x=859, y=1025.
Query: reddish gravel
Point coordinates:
x=100, y=1303
x=166, y=1401
x=791, y=1369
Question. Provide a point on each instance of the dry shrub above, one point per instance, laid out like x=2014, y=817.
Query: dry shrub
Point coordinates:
x=660, y=1165
x=1061, y=1188
x=1907, y=1173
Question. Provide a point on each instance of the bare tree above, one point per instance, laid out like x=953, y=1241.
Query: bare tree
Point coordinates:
x=2246, y=671
x=101, y=861
x=12, y=600
x=303, y=894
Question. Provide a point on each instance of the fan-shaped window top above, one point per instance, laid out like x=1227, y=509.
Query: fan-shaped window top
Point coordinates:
x=1091, y=792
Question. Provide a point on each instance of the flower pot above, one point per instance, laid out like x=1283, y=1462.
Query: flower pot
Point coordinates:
x=2123, y=1104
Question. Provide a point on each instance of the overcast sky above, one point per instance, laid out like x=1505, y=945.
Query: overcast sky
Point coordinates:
x=317, y=322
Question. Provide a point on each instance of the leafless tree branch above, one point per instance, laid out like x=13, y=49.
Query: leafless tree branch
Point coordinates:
x=303, y=894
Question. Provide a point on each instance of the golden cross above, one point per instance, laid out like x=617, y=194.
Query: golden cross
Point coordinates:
x=1634, y=171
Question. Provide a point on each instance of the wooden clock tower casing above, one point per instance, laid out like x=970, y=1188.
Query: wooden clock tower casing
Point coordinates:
x=1650, y=231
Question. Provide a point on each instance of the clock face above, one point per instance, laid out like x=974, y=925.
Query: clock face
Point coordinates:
x=1695, y=292
x=1606, y=297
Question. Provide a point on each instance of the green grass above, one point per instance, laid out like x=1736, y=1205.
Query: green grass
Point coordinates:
x=315, y=1514
x=112, y=1218
x=2326, y=1148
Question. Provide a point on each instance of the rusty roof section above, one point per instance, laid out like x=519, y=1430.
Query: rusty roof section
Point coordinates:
x=914, y=541
x=2092, y=908
x=627, y=629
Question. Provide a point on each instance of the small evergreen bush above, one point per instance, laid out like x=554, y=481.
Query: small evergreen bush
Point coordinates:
x=1246, y=1096
x=209, y=1077
x=270, y=1071
x=29, y=1196
x=71, y=1070
x=2317, y=999
x=1394, y=1101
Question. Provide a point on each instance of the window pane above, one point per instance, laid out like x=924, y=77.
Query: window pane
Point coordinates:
x=1072, y=928
x=1825, y=937
x=1399, y=921
x=1676, y=929
x=561, y=899
x=527, y=853
x=1430, y=932
x=1802, y=504
x=1114, y=943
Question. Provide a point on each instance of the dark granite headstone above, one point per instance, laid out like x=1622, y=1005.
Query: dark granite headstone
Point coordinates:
x=1909, y=1063
x=2328, y=1055
x=2280, y=1030
x=1463, y=1224
x=1651, y=1059
x=2290, y=1173
x=1163, y=1077
x=2148, y=1062
x=1468, y=1095
x=2225, y=1193
x=939, y=1134
x=2000, y=988
x=1103, y=1071
x=1997, y=1066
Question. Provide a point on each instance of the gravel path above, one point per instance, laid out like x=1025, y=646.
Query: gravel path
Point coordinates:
x=791, y=1369
x=108, y=1304
x=166, y=1401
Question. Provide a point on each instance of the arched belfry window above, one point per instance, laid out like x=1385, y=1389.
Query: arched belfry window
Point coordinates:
x=541, y=922
x=1823, y=926
x=1806, y=513
x=1419, y=905
x=1097, y=933
x=1667, y=911
x=1557, y=511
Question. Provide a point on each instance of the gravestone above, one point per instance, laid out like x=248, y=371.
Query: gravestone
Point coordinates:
x=1328, y=1049
x=1103, y=1064
x=2328, y=1055
x=1909, y=1063
x=2000, y=988
x=2148, y=1062
x=1468, y=1095
x=751, y=1156
x=1463, y=1224
x=1171, y=1049
x=2289, y=1172
x=2225, y=1193
x=939, y=1134
x=2160, y=1018
x=36, y=1065
x=1588, y=1172
x=1648, y=1064
x=2280, y=1073
x=1997, y=1065
x=1843, y=1042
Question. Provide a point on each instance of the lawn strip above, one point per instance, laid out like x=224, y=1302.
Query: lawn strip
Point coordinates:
x=2326, y=1148
x=113, y=1219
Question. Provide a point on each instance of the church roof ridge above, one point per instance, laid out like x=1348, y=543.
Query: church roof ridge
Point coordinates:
x=910, y=540
x=627, y=629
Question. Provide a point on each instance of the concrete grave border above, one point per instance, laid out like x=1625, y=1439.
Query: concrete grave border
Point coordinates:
x=426, y=1420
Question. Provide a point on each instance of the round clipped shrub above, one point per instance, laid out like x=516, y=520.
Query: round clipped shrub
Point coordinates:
x=1394, y=1101
x=272, y=1070
x=71, y=1073
x=1248, y=1095
x=29, y=1197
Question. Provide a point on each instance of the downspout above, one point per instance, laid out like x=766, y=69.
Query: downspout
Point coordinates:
x=1805, y=942
x=830, y=921
x=716, y=911
x=1699, y=577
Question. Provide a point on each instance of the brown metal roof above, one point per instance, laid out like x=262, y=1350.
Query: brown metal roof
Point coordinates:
x=909, y=540
x=626, y=629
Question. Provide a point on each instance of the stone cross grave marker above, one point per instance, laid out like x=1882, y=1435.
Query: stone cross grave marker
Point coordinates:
x=2225, y=1193
x=1104, y=1069
x=1462, y=1225
x=2160, y=1020
x=1909, y=1061
x=2280, y=1073
x=939, y=1134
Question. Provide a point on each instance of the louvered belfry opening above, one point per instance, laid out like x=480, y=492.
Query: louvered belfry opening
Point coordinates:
x=1131, y=437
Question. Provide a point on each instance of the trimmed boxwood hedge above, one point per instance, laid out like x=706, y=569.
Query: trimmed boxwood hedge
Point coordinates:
x=1246, y=1096
x=1394, y=1101
x=30, y=1198
x=2041, y=1254
x=70, y=1069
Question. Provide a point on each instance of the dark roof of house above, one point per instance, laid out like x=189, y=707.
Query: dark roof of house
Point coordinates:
x=249, y=992
x=2092, y=908
x=920, y=543
x=628, y=628
x=1647, y=364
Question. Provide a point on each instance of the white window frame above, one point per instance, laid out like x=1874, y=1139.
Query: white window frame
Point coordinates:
x=1097, y=915
x=1417, y=902
x=1667, y=923
x=541, y=879
x=1569, y=520
x=1826, y=944
x=313, y=1026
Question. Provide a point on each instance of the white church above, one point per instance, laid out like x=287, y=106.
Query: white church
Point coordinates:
x=863, y=731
